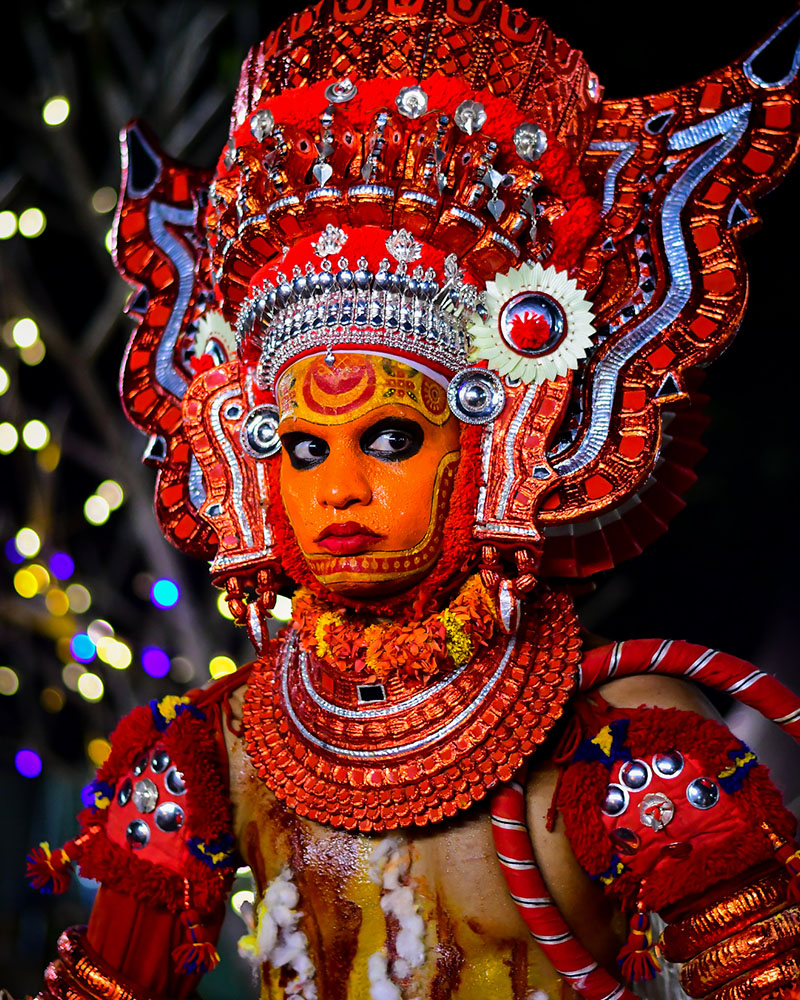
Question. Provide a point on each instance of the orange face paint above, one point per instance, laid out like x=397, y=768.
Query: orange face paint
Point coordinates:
x=370, y=453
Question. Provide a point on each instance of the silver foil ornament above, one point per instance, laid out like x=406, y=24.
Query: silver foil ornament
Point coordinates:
x=412, y=102
x=530, y=141
x=262, y=124
x=470, y=116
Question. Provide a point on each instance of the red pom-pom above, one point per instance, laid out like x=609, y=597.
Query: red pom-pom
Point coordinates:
x=636, y=959
x=48, y=871
x=199, y=955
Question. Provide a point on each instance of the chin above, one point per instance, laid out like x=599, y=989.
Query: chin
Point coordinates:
x=362, y=587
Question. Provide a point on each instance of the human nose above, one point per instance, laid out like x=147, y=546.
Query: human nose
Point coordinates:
x=342, y=483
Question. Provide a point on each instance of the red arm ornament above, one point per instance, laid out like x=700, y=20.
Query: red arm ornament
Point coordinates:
x=158, y=837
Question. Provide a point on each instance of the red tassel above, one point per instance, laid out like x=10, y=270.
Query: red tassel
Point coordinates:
x=199, y=955
x=788, y=853
x=636, y=958
x=48, y=871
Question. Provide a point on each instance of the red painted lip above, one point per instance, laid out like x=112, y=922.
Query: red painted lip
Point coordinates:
x=346, y=539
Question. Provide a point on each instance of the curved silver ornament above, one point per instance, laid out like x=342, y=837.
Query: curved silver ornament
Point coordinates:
x=530, y=141
x=476, y=395
x=259, y=434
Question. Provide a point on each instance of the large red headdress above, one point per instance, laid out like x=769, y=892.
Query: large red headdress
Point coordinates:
x=445, y=183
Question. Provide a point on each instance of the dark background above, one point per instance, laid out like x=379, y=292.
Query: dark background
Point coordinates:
x=725, y=575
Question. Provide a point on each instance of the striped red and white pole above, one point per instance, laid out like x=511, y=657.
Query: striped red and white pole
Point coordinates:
x=697, y=663
x=512, y=842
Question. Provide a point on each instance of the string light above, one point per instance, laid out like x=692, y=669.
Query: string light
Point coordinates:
x=90, y=687
x=25, y=332
x=219, y=666
x=27, y=542
x=165, y=593
x=9, y=682
x=35, y=435
x=32, y=222
x=8, y=224
x=9, y=438
x=55, y=111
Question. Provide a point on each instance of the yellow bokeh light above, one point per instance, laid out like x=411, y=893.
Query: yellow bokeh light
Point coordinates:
x=8, y=224
x=64, y=648
x=28, y=542
x=222, y=607
x=5, y=381
x=283, y=608
x=80, y=600
x=90, y=686
x=32, y=222
x=34, y=354
x=9, y=438
x=35, y=435
x=110, y=491
x=55, y=111
x=96, y=510
x=98, y=750
x=219, y=666
x=9, y=682
x=25, y=583
x=25, y=332
x=41, y=575
x=52, y=700
x=48, y=458
x=57, y=602
x=115, y=653
x=71, y=673
x=104, y=200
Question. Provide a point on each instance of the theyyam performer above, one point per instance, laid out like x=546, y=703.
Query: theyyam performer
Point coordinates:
x=422, y=352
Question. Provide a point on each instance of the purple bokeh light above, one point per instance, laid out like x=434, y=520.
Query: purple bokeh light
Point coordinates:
x=28, y=763
x=155, y=661
x=12, y=552
x=62, y=566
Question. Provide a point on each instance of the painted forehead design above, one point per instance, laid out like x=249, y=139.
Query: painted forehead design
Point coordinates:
x=353, y=385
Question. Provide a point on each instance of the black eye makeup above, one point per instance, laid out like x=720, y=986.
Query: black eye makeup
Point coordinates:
x=392, y=439
x=305, y=451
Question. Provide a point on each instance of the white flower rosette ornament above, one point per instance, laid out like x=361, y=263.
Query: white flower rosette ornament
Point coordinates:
x=538, y=324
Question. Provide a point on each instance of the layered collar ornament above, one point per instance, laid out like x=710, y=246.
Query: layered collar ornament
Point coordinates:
x=378, y=732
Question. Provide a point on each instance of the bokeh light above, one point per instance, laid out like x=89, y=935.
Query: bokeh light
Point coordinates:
x=35, y=435
x=97, y=750
x=80, y=600
x=283, y=608
x=9, y=682
x=57, y=602
x=25, y=583
x=110, y=491
x=9, y=438
x=32, y=222
x=34, y=354
x=182, y=670
x=55, y=111
x=155, y=661
x=238, y=899
x=24, y=332
x=48, y=458
x=5, y=381
x=222, y=607
x=12, y=552
x=28, y=542
x=41, y=576
x=8, y=224
x=71, y=673
x=82, y=648
x=52, y=700
x=219, y=666
x=99, y=629
x=109, y=241
x=62, y=566
x=115, y=653
x=104, y=200
x=28, y=763
x=96, y=510
x=90, y=686
x=165, y=593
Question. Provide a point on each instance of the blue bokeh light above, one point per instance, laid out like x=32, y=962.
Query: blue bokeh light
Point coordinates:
x=82, y=647
x=12, y=552
x=155, y=661
x=62, y=566
x=28, y=763
x=165, y=593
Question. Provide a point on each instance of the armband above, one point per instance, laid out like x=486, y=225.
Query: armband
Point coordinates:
x=158, y=827
x=672, y=814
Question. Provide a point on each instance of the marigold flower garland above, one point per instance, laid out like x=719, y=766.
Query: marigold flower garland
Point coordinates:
x=418, y=649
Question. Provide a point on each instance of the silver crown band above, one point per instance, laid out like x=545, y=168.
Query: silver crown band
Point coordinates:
x=409, y=314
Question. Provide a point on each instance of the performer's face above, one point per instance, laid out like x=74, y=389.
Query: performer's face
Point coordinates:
x=370, y=449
